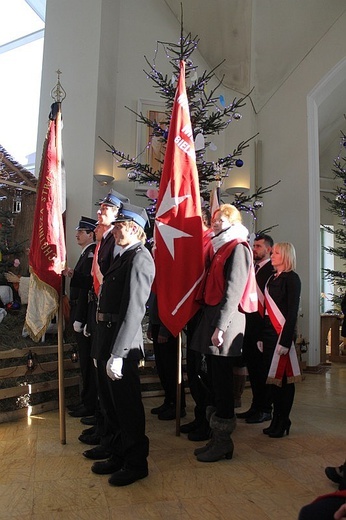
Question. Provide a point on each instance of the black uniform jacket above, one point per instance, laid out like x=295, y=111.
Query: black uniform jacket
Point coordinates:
x=254, y=321
x=105, y=253
x=122, y=305
x=81, y=282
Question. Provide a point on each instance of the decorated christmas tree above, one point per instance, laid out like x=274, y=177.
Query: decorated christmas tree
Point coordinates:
x=337, y=206
x=209, y=114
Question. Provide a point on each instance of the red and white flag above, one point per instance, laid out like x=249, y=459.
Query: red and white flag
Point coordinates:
x=47, y=248
x=178, y=249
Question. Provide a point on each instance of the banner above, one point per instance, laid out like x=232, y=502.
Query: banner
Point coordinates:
x=178, y=249
x=47, y=248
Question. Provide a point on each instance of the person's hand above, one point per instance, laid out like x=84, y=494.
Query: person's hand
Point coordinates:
x=68, y=272
x=217, y=338
x=77, y=326
x=85, y=331
x=282, y=351
x=114, y=368
x=11, y=278
x=340, y=514
x=260, y=346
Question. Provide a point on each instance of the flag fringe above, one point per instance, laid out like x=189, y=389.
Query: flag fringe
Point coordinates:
x=52, y=292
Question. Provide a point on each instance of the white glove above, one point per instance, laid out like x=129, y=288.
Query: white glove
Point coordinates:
x=85, y=331
x=114, y=367
x=260, y=346
x=95, y=362
x=282, y=351
x=77, y=326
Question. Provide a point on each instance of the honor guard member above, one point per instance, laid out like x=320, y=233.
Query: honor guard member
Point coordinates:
x=81, y=281
x=106, y=251
x=119, y=347
x=107, y=212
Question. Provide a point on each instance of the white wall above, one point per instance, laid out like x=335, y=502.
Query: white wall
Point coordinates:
x=283, y=127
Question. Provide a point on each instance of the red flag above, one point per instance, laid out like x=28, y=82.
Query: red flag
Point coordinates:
x=47, y=248
x=178, y=249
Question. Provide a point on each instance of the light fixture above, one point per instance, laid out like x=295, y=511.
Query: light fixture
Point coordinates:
x=103, y=178
x=74, y=355
x=30, y=364
x=237, y=190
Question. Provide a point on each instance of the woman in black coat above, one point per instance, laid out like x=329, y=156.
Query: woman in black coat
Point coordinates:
x=281, y=297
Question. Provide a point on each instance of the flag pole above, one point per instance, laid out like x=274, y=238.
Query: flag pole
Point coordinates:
x=179, y=387
x=62, y=420
x=59, y=94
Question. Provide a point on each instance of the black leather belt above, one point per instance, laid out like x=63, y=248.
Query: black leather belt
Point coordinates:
x=105, y=316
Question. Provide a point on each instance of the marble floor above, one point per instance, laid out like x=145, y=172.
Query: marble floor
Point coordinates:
x=268, y=479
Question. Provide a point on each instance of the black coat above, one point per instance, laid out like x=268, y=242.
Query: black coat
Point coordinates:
x=80, y=284
x=254, y=321
x=106, y=252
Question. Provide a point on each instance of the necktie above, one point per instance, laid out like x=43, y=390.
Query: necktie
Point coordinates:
x=256, y=268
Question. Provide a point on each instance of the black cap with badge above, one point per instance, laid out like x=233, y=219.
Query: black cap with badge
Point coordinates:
x=86, y=223
x=113, y=198
x=134, y=213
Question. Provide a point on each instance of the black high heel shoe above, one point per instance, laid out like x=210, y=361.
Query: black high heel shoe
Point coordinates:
x=273, y=425
x=283, y=426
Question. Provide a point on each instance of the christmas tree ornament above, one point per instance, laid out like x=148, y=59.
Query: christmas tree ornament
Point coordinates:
x=199, y=142
x=239, y=163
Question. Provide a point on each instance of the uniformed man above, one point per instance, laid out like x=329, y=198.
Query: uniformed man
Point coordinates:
x=107, y=212
x=119, y=347
x=80, y=285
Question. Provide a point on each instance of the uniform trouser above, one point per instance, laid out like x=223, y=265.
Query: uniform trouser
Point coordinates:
x=196, y=376
x=220, y=375
x=198, y=382
x=253, y=359
x=89, y=386
x=128, y=417
x=166, y=365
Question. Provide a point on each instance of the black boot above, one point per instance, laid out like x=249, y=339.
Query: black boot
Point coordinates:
x=202, y=433
x=273, y=425
x=222, y=445
x=283, y=426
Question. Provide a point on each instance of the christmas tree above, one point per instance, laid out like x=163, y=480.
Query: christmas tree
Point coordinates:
x=337, y=206
x=9, y=249
x=209, y=116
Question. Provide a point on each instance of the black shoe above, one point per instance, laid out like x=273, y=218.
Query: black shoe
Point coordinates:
x=259, y=417
x=335, y=474
x=190, y=427
x=169, y=414
x=160, y=409
x=92, y=440
x=97, y=453
x=81, y=411
x=107, y=467
x=283, y=426
x=89, y=431
x=126, y=476
x=249, y=413
x=89, y=421
x=203, y=433
x=73, y=407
